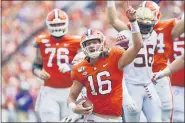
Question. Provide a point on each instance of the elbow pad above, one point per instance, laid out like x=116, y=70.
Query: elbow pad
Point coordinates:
x=37, y=66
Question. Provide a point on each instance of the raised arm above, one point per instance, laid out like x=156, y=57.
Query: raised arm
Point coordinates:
x=113, y=18
x=132, y=51
x=178, y=29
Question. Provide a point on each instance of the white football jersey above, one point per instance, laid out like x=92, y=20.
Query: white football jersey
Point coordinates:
x=140, y=70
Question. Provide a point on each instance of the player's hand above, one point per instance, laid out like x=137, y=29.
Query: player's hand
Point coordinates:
x=72, y=118
x=43, y=75
x=157, y=76
x=64, y=68
x=130, y=12
x=130, y=104
x=79, y=109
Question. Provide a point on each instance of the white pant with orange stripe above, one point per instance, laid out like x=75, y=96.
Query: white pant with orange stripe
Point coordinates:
x=95, y=118
x=178, y=114
x=51, y=104
x=147, y=100
x=164, y=90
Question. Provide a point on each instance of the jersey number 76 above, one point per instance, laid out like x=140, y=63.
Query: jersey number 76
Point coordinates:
x=59, y=55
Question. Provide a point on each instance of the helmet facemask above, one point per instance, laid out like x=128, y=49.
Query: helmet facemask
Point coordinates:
x=58, y=25
x=94, y=49
x=146, y=21
x=146, y=29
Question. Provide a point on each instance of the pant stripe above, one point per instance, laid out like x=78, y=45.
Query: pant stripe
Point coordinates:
x=171, y=118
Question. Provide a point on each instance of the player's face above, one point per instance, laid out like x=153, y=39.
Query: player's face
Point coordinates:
x=93, y=45
x=145, y=27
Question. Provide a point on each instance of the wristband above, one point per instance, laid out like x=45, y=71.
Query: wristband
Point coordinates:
x=110, y=3
x=134, y=27
x=72, y=105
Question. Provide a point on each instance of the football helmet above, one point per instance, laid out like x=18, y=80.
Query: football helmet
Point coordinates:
x=93, y=51
x=146, y=21
x=153, y=7
x=57, y=22
x=123, y=38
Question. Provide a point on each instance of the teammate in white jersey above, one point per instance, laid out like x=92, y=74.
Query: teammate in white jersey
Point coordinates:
x=138, y=74
x=137, y=78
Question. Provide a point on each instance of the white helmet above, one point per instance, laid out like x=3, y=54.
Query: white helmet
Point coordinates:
x=146, y=20
x=57, y=22
x=91, y=35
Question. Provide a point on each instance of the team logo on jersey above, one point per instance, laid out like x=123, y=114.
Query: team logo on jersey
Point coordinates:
x=81, y=69
x=45, y=41
x=105, y=65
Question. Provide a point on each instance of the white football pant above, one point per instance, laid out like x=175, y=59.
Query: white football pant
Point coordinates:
x=178, y=114
x=147, y=100
x=51, y=104
x=164, y=90
x=95, y=118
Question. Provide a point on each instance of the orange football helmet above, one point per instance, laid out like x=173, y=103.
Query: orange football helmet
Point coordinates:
x=57, y=22
x=92, y=35
x=153, y=7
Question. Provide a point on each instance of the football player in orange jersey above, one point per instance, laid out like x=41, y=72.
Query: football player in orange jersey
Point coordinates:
x=54, y=53
x=177, y=78
x=163, y=50
x=175, y=66
x=101, y=73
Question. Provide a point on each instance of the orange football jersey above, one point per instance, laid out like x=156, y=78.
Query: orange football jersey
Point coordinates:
x=103, y=82
x=164, y=45
x=178, y=50
x=55, y=52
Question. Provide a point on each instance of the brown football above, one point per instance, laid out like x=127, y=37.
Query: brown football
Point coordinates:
x=87, y=103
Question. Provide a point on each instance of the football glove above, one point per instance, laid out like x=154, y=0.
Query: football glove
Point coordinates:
x=64, y=68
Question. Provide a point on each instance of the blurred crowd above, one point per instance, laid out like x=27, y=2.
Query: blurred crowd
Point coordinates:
x=21, y=18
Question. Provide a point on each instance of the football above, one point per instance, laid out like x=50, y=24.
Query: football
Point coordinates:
x=87, y=103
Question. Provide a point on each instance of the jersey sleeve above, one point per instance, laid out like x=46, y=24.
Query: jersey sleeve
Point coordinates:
x=36, y=42
x=77, y=40
x=173, y=22
x=75, y=75
x=117, y=52
x=39, y=39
